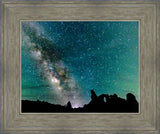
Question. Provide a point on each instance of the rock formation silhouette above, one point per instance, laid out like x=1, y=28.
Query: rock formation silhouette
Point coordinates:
x=69, y=106
x=101, y=103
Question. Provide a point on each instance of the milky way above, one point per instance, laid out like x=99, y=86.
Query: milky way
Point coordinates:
x=63, y=61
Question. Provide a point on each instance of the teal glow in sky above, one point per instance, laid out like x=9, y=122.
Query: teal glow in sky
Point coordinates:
x=63, y=61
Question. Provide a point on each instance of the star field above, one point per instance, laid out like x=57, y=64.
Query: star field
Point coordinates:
x=63, y=61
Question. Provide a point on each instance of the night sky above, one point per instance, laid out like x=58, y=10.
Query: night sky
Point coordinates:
x=62, y=61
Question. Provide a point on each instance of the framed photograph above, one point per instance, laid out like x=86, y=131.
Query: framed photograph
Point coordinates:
x=80, y=66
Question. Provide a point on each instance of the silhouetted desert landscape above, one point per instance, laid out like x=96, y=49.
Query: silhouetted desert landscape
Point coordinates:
x=101, y=103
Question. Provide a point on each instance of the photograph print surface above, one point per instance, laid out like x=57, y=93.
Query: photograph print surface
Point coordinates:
x=79, y=66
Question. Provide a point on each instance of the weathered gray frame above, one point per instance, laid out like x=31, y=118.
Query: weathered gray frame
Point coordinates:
x=13, y=120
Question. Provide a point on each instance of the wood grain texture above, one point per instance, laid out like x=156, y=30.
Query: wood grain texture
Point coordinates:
x=146, y=121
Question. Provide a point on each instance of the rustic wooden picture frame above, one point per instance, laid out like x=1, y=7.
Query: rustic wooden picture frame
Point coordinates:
x=146, y=121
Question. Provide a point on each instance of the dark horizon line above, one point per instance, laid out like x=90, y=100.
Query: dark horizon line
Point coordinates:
x=101, y=103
